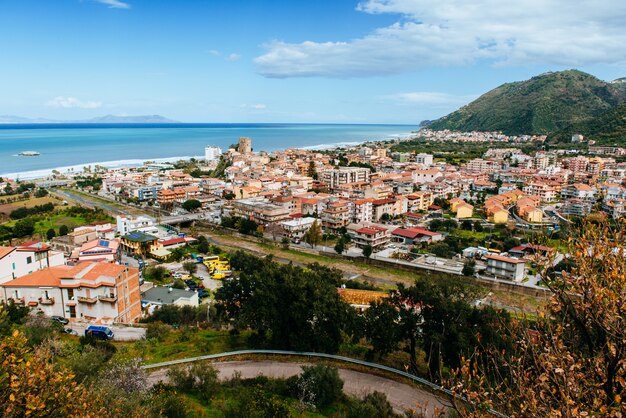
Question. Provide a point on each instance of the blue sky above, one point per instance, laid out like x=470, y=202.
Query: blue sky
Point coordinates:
x=371, y=61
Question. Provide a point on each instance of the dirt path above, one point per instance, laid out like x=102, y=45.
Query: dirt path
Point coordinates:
x=401, y=396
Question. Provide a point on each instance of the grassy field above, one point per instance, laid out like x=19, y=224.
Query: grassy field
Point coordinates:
x=9, y=207
x=184, y=343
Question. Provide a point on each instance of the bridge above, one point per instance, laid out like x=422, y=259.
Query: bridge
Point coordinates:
x=181, y=219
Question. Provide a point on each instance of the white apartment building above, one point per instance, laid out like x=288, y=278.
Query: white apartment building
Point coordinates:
x=25, y=259
x=424, y=159
x=363, y=211
x=212, y=153
x=344, y=175
x=580, y=191
x=506, y=267
x=126, y=224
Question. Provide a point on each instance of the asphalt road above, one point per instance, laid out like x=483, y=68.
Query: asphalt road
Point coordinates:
x=121, y=333
x=401, y=396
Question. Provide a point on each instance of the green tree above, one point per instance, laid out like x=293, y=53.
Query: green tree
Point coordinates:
x=51, y=233
x=319, y=385
x=190, y=267
x=286, y=306
x=381, y=328
x=466, y=225
x=63, y=230
x=203, y=245
x=469, y=268
x=24, y=228
x=340, y=246
x=478, y=226
x=367, y=251
x=311, y=170
x=313, y=236
x=192, y=205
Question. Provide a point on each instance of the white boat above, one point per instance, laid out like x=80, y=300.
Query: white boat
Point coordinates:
x=29, y=154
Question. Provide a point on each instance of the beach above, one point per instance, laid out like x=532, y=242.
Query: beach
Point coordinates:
x=70, y=148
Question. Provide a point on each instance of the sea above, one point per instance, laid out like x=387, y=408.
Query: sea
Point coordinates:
x=70, y=147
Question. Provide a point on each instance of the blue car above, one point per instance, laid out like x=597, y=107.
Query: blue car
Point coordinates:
x=100, y=332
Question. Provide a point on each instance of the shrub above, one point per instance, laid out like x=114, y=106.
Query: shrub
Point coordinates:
x=158, y=331
x=319, y=385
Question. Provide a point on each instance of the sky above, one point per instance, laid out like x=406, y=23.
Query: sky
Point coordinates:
x=327, y=61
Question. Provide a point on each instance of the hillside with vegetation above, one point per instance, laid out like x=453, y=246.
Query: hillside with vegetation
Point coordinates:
x=607, y=129
x=546, y=103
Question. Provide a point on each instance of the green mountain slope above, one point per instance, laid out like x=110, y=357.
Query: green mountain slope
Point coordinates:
x=546, y=103
x=607, y=129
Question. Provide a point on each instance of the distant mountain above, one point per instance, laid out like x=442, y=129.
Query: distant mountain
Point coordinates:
x=101, y=119
x=606, y=129
x=546, y=103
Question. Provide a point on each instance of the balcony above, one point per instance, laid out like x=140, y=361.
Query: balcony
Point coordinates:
x=109, y=298
x=17, y=301
x=82, y=299
x=46, y=301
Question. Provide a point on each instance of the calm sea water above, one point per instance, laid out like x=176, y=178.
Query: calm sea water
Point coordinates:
x=63, y=146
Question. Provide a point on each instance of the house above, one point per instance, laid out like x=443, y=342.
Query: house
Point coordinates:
x=412, y=236
x=161, y=295
x=579, y=191
x=296, y=228
x=137, y=242
x=94, y=292
x=374, y=236
x=82, y=235
x=99, y=250
x=505, y=267
x=464, y=210
x=27, y=258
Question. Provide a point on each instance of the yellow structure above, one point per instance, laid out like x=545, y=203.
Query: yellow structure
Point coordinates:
x=499, y=216
x=464, y=210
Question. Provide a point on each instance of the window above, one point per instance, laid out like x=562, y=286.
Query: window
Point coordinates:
x=70, y=293
x=29, y=260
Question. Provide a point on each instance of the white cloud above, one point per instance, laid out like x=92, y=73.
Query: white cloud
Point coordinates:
x=115, y=4
x=258, y=106
x=430, y=98
x=435, y=33
x=214, y=52
x=72, y=102
x=233, y=57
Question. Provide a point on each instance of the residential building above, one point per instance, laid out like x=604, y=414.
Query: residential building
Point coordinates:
x=575, y=207
x=212, y=153
x=375, y=236
x=296, y=228
x=137, y=242
x=363, y=210
x=343, y=175
x=27, y=258
x=161, y=295
x=94, y=292
x=411, y=236
x=505, y=267
x=337, y=215
x=424, y=159
x=579, y=191
x=260, y=210
x=126, y=225
x=99, y=250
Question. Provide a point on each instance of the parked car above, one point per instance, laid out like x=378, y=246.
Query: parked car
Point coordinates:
x=202, y=293
x=70, y=331
x=60, y=319
x=100, y=332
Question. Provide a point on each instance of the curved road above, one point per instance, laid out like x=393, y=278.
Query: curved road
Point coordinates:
x=401, y=396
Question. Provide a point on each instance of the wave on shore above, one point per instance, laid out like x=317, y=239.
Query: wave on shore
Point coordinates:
x=78, y=168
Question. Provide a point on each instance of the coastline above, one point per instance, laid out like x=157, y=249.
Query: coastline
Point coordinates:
x=137, y=162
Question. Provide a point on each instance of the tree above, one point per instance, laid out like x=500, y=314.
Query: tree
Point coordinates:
x=31, y=384
x=466, y=225
x=311, y=170
x=51, y=233
x=203, y=245
x=190, y=267
x=286, y=306
x=340, y=246
x=478, y=226
x=367, y=251
x=319, y=385
x=313, y=236
x=24, y=228
x=381, y=329
x=154, y=273
x=192, y=205
x=63, y=230
x=572, y=358
x=469, y=268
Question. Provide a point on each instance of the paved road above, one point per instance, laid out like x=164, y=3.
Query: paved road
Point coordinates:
x=401, y=396
x=121, y=333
